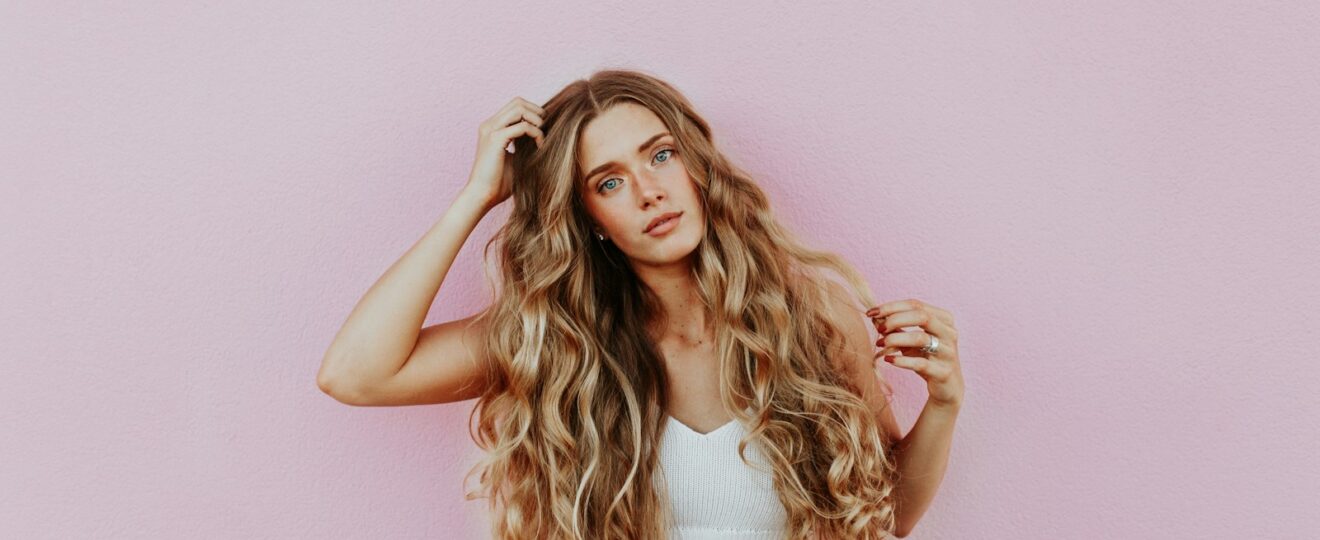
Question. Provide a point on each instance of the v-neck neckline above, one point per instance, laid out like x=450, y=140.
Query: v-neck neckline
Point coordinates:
x=698, y=433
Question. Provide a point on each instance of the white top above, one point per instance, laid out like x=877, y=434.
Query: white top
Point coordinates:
x=713, y=494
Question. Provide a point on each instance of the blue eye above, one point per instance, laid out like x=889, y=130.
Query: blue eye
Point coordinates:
x=600, y=188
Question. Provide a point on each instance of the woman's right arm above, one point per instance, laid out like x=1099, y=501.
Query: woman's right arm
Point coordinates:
x=382, y=355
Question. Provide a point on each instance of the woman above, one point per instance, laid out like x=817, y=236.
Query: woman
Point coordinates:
x=662, y=358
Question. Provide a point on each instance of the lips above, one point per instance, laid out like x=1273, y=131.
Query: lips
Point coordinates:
x=660, y=219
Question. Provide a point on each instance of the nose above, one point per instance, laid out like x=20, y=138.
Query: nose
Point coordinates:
x=650, y=190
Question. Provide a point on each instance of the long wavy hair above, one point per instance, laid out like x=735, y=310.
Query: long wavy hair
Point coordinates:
x=575, y=408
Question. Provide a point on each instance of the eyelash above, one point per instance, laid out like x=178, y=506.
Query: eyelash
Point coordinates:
x=601, y=186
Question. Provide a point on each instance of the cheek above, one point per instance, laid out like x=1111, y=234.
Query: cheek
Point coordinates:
x=612, y=218
x=691, y=193
x=600, y=214
x=678, y=177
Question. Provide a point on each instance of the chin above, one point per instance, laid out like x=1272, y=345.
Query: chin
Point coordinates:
x=680, y=246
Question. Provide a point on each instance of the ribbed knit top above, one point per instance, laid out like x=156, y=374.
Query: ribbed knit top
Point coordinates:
x=713, y=494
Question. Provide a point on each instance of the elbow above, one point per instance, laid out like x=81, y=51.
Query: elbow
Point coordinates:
x=902, y=530
x=326, y=383
x=341, y=392
x=323, y=382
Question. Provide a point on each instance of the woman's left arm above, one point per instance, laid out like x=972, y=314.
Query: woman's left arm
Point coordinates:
x=921, y=455
x=932, y=352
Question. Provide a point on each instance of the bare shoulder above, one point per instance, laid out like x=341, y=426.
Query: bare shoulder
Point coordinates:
x=857, y=359
x=851, y=322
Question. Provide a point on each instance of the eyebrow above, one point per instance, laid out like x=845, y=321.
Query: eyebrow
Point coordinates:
x=605, y=166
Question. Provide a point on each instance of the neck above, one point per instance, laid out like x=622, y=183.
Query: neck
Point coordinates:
x=682, y=316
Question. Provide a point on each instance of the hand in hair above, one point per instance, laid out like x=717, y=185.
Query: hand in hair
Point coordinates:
x=940, y=369
x=491, y=180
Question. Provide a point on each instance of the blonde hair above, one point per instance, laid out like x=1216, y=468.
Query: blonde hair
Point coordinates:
x=576, y=406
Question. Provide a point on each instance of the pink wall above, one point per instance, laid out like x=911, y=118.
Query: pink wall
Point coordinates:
x=1116, y=200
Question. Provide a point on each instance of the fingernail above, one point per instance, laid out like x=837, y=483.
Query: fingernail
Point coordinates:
x=889, y=359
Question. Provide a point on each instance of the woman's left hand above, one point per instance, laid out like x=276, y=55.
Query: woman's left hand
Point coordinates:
x=903, y=348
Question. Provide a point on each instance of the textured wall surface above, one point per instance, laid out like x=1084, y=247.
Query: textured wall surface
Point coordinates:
x=1117, y=201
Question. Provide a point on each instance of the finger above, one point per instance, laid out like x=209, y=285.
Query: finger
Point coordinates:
x=902, y=351
x=911, y=304
x=521, y=109
x=888, y=308
x=517, y=114
x=915, y=363
x=921, y=319
x=931, y=371
x=501, y=118
x=910, y=351
x=943, y=315
x=521, y=128
x=909, y=342
x=540, y=111
x=533, y=117
x=934, y=309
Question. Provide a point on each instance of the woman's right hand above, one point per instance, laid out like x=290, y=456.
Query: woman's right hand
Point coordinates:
x=492, y=172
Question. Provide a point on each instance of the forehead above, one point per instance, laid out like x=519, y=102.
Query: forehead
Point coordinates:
x=614, y=134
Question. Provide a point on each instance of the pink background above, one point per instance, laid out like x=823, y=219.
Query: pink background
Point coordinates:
x=1117, y=201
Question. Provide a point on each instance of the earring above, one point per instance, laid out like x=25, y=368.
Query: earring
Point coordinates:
x=600, y=236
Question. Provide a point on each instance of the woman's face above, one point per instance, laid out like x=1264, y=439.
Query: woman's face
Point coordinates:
x=633, y=177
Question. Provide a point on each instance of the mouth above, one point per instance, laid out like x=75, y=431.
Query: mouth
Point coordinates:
x=663, y=223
